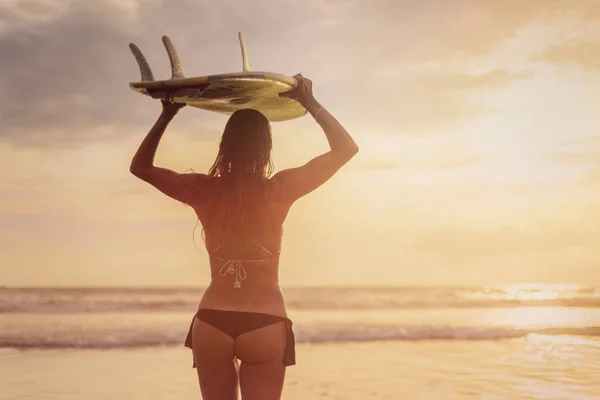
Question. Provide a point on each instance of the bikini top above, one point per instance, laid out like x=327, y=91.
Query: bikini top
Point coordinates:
x=236, y=267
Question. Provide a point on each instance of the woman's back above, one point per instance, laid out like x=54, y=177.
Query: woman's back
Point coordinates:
x=242, y=230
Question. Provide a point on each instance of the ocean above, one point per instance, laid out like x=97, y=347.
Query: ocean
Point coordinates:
x=536, y=341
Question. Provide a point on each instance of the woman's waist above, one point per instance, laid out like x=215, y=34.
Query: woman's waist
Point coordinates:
x=252, y=296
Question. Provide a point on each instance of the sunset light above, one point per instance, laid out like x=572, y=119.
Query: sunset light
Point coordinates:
x=408, y=208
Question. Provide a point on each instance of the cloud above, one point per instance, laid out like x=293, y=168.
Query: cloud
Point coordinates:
x=590, y=140
x=593, y=177
x=585, y=54
x=378, y=165
x=455, y=243
x=424, y=102
x=590, y=157
x=458, y=162
x=65, y=76
x=57, y=76
x=66, y=64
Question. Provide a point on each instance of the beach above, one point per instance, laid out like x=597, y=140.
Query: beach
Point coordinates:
x=509, y=369
x=131, y=347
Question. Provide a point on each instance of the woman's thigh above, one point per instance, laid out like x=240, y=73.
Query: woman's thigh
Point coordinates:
x=214, y=357
x=261, y=354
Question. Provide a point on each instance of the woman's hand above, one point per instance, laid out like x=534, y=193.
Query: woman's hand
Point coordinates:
x=302, y=93
x=170, y=109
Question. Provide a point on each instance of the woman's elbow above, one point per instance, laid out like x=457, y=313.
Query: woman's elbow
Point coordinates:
x=136, y=170
x=348, y=153
x=352, y=150
x=133, y=169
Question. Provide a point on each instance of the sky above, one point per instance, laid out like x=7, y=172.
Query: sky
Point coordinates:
x=478, y=124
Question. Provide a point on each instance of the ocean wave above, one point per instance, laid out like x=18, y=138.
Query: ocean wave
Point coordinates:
x=116, y=300
x=187, y=306
x=129, y=339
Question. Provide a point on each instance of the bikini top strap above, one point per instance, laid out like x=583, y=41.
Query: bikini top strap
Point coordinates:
x=264, y=248
x=269, y=252
x=214, y=250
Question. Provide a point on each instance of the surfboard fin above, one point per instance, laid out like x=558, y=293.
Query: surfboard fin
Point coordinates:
x=176, y=71
x=143, y=64
x=246, y=66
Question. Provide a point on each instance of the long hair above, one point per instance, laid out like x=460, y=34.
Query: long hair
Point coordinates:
x=245, y=148
x=243, y=161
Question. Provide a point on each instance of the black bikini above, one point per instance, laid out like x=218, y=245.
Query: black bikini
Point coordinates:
x=236, y=323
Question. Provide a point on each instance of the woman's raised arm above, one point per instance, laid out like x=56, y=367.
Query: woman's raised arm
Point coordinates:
x=182, y=187
x=296, y=182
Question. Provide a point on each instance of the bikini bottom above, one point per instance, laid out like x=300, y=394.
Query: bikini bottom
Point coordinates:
x=236, y=323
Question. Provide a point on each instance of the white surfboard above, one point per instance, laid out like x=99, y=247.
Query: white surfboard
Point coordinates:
x=223, y=93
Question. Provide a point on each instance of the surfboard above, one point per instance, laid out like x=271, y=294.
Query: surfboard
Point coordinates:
x=223, y=93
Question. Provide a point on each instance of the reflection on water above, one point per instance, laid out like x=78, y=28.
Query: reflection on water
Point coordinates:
x=538, y=317
x=538, y=291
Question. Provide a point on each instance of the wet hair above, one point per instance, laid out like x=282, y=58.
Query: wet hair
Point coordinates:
x=242, y=164
x=245, y=147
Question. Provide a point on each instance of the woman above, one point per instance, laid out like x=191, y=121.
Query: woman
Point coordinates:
x=242, y=314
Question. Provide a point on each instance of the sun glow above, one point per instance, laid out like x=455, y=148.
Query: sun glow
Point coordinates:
x=538, y=291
